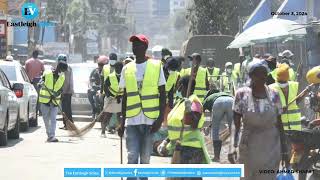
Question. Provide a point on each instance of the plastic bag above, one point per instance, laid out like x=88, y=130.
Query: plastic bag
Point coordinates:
x=285, y=174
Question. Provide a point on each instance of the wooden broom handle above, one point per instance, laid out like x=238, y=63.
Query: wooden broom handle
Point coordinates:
x=300, y=94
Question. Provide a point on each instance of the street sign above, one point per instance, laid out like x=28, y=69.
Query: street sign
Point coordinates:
x=92, y=48
x=3, y=39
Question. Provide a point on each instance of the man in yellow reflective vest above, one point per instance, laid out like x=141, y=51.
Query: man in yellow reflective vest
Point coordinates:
x=213, y=74
x=185, y=70
x=143, y=83
x=238, y=72
x=112, y=99
x=189, y=111
x=50, y=94
x=291, y=116
x=227, y=79
x=202, y=83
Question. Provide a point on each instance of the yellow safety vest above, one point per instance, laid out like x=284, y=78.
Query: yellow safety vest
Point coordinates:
x=114, y=85
x=185, y=72
x=172, y=80
x=215, y=74
x=291, y=119
x=200, y=87
x=44, y=95
x=147, y=98
x=226, y=83
x=292, y=75
x=175, y=117
x=105, y=71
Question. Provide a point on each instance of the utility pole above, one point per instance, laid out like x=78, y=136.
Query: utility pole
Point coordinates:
x=84, y=47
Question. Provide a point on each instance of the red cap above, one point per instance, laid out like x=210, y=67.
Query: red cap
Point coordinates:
x=139, y=37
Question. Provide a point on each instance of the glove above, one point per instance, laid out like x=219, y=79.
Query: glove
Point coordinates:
x=187, y=104
x=162, y=147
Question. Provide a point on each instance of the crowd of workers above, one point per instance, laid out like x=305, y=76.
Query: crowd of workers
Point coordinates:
x=170, y=97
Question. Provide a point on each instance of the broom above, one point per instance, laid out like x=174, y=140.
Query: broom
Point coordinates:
x=69, y=125
x=176, y=157
x=88, y=127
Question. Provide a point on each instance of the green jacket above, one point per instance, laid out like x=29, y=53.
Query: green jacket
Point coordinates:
x=208, y=102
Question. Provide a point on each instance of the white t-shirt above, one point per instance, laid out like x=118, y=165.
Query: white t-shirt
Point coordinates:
x=141, y=68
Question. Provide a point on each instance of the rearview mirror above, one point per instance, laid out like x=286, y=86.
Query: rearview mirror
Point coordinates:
x=17, y=86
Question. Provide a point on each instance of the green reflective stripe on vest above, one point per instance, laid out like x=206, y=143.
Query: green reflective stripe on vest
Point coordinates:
x=134, y=106
x=174, y=125
x=149, y=101
x=132, y=93
x=44, y=95
x=200, y=86
x=149, y=97
x=172, y=80
x=114, y=84
x=186, y=128
x=291, y=118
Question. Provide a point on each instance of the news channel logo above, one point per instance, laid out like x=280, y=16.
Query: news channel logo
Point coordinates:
x=29, y=11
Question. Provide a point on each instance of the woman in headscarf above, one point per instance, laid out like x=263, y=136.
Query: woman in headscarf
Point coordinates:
x=259, y=109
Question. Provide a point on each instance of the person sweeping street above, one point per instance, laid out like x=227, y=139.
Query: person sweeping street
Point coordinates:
x=189, y=111
x=113, y=94
x=49, y=96
x=143, y=103
x=220, y=106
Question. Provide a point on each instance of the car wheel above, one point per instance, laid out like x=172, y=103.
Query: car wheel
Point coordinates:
x=14, y=133
x=4, y=134
x=24, y=126
x=34, y=121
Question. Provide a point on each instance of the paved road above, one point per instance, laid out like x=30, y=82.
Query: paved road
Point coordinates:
x=32, y=158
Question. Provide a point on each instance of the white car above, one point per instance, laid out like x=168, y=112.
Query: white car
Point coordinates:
x=27, y=98
x=9, y=110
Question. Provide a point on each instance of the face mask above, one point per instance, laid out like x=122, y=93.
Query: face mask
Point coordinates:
x=229, y=71
x=170, y=72
x=112, y=62
x=283, y=85
x=178, y=94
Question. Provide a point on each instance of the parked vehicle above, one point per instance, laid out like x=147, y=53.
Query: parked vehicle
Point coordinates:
x=9, y=109
x=27, y=97
x=81, y=73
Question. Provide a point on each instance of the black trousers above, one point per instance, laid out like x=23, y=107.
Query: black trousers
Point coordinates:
x=66, y=106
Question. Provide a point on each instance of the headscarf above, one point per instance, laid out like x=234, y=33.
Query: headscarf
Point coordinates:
x=256, y=64
x=283, y=72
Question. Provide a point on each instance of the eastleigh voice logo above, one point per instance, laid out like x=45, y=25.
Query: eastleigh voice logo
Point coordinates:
x=29, y=11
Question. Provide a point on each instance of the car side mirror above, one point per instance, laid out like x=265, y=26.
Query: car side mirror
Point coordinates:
x=17, y=86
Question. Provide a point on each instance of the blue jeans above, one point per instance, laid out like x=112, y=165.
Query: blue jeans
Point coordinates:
x=221, y=108
x=139, y=145
x=49, y=114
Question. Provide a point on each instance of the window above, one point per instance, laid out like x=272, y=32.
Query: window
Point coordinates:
x=4, y=80
x=10, y=72
x=24, y=75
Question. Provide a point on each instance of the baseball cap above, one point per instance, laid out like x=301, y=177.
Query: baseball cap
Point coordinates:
x=286, y=53
x=139, y=37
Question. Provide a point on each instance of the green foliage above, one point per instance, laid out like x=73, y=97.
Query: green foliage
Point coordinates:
x=218, y=16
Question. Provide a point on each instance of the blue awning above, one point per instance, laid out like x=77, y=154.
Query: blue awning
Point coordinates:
x=289, y=6
x=261, y=13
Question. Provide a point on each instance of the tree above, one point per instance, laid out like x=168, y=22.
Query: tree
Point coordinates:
x=218, y=16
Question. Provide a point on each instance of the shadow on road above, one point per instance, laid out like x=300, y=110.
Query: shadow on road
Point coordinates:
x=31, y=130
x=11, y=143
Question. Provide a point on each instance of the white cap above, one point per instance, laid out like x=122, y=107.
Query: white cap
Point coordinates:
x=228, y=64
x=9, y=58
x=286, y=53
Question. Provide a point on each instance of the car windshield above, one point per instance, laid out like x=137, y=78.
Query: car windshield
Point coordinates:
x=10, y=72
x=81, y=78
